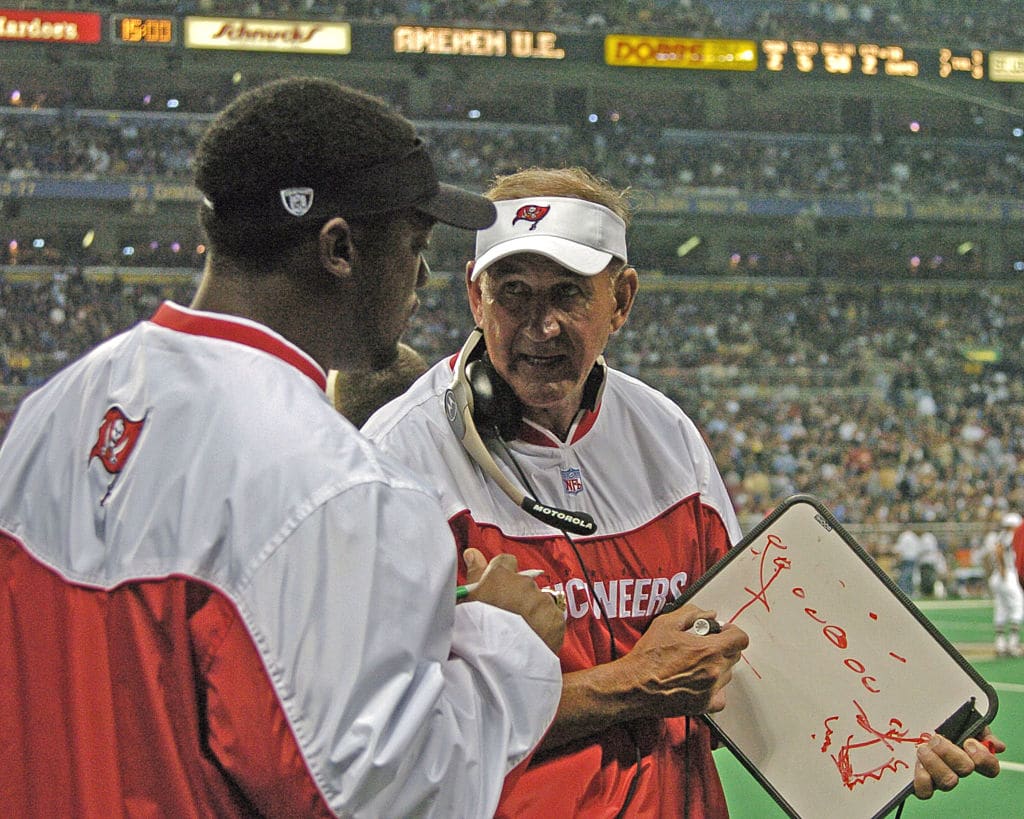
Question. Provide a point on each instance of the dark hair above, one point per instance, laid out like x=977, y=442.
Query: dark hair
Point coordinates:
x=295, y=132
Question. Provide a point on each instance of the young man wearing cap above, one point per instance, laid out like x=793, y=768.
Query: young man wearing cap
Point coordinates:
x=221, y=600
x=567, y=443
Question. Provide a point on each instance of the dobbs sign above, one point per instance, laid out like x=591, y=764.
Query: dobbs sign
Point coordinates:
x=680, y=52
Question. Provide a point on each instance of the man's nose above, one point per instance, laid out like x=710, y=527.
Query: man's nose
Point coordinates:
x=543, y=322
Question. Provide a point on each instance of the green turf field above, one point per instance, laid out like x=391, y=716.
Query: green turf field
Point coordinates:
x=968, y=625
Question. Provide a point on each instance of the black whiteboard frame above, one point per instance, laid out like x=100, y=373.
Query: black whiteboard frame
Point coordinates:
x=957, y=727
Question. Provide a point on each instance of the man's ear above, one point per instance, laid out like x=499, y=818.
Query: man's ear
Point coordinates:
x=626, y=285
x=336, y=249
x=473, y=294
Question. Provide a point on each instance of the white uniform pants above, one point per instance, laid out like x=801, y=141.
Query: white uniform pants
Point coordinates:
x=1007, y=599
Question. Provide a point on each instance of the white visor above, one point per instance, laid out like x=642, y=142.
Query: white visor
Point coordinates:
x=581, y=236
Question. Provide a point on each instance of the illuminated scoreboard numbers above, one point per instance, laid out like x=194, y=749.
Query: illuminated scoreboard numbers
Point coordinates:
x=896, y=64
x=868, y=53
x=867, y=59
x=774, y=54
x=838, y=57
x=144, y=30
x=805, y=53
x=972, y=65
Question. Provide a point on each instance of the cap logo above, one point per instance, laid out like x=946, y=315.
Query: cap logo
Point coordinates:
x=297, y=201
x=532, y=213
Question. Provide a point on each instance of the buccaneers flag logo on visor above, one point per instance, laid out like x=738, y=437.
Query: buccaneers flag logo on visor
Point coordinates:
x=532, y=213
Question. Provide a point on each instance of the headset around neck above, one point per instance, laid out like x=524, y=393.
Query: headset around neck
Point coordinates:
x=476, y=388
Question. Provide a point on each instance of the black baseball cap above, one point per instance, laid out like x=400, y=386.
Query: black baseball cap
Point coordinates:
x=407, y=181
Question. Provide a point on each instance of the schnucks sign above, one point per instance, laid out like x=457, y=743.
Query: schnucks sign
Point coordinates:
x=287, y=36
x=22, y=26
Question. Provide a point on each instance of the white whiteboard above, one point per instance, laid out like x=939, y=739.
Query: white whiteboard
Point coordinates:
x=843, y=678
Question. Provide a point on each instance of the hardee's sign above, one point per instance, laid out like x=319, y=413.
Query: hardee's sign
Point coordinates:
x=291, y=36
x=49, y=26
x=680, y=52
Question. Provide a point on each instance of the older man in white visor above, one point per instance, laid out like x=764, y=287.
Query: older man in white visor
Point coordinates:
x=598, y=482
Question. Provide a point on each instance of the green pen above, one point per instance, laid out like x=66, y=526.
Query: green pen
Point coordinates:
x=464, y=591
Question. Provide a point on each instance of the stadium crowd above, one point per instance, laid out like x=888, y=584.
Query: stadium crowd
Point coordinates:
x=662, y=162
x=67, y=146
x=857, y=394
x=872, y=397
x=903, y=21
x=657, y=160
x=674, y=162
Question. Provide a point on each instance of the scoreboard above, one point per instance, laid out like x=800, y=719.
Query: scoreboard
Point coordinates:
x=442, y=41
x=870, y=59
x=134, y=30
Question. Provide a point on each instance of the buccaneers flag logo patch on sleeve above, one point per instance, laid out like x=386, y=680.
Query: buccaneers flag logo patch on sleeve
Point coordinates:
x=531, y=213
x=116, y=440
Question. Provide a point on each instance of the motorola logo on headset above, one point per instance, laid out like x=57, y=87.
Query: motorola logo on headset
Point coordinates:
x=576, y=519
x=478, y=394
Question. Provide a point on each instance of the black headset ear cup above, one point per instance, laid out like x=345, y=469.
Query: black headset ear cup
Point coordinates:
x=495, y=405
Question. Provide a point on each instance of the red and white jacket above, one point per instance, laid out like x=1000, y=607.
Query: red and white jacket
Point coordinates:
x=218, y=599
x=640, y=467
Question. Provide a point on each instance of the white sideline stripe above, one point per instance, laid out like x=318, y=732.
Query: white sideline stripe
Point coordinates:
x=956, y=624
x=1016, y=688
x=974, y=603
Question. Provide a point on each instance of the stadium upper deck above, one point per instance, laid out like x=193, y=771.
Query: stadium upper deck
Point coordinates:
x=851, y=144
x=807, y=165
x=990, y=24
